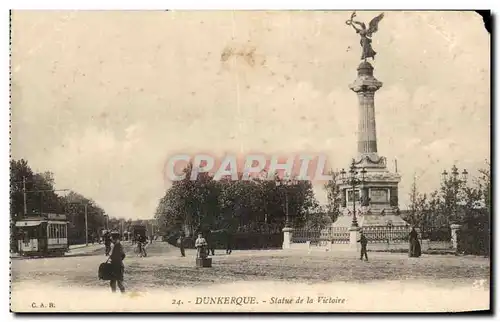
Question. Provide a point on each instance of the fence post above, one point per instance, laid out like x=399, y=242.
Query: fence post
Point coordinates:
x=454, y=239
x=353, y=237
x=287, y=238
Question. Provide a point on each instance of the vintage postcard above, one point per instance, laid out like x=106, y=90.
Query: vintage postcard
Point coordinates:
x=250, y=161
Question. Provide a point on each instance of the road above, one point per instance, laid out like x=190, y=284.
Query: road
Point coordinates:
x=164, y=269
x=164, y=266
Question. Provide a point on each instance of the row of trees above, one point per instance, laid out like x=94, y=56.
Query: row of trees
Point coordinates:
x=258, y=203
x=252, y=205
x=244, y=205
x=41, y=197
x=456, y=201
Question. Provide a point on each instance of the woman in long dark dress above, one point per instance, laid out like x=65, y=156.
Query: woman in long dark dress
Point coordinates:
x=415, y=250
x=117, y=256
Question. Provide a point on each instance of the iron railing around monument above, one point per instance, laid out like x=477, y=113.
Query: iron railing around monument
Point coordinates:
x=341, y=235
x=303, y=235
x=374, y=234
x=385, y=234
x=318, y=236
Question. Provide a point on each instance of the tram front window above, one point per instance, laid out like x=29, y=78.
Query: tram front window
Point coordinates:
x=24, y=235
x=27, y=233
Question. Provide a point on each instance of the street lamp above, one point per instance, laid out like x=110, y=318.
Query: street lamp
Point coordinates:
x=465, y=174
x=389, y=226
x=353, y=180
x=445, y=176
x=455, y=180
x=107, y=221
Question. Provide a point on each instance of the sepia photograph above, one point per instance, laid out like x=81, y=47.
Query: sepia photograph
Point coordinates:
x=251, y=161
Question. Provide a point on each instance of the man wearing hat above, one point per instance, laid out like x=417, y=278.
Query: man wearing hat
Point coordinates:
x=363, y=242
x=117, y=256
x=107, y=242
x=201, y=246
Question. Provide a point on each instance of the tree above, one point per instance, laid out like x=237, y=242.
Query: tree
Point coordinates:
x=412, y=216
x=19, y=170
x=302, y=201
x=484, y=185
x=75, y=209
x=474, y=235
x=418, y=216
x=457, y=201
x=334, y=196
x=318, y=220
x=41, y=197
x=170, y=212
x=229, y=204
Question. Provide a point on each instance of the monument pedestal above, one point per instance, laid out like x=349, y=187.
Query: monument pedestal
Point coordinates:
x=374, y=195
x=203, y=262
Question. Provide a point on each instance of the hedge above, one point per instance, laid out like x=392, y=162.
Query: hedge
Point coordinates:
x=239, y=240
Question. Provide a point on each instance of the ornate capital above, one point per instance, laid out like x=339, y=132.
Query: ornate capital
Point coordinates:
x=365, y=84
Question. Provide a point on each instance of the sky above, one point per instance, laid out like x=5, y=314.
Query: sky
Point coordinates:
x=103, y=98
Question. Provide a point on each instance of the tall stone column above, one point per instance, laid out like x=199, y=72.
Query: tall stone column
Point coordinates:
x=365, y=87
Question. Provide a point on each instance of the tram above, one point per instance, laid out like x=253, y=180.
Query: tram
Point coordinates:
x=43, y=235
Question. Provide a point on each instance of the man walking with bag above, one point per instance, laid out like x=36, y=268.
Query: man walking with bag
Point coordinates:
x=117, y=256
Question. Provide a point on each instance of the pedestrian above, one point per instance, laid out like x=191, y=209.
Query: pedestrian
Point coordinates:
x=229, y=249
x=107, y=243
x=137, y=241
x=210, y=241
x=415, y=250
x=201, y=246
x=363, y=242
x=142, y=242
x=117, y=257
x=180, y=242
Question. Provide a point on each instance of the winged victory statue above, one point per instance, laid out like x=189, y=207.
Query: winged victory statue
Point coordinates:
x=366, y=34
